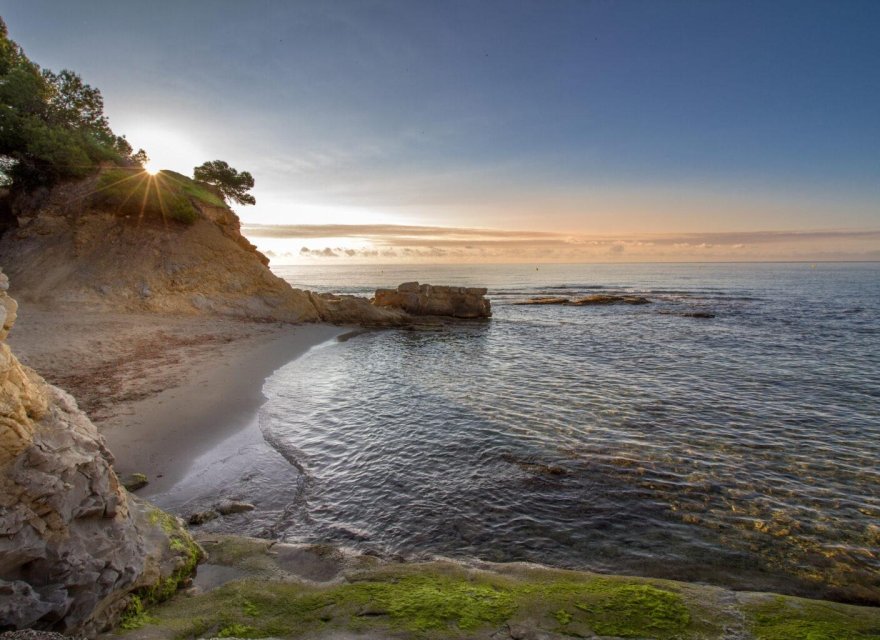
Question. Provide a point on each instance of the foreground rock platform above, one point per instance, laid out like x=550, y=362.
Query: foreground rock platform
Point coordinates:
x=253, y=588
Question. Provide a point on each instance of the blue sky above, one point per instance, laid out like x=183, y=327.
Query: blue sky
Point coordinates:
x=610, y=118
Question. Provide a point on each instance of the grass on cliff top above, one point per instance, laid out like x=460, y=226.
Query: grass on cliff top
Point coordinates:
x=167, y=195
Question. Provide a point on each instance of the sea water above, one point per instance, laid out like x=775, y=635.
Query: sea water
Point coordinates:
x=740, y=449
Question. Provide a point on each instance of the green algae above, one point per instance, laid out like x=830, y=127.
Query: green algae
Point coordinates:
x=135, y=615
x=787, y=618
x=631, y=610
x=188, y=553
x=427, y=603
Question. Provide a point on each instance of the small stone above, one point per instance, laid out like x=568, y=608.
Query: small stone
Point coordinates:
x=134, y=481
x=201, y=517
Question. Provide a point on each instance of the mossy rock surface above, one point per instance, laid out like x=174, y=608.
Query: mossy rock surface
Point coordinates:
x=263, y=595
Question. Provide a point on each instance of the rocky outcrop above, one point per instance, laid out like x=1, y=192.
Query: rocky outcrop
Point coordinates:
x=344, y=309
x=68, y=249
x=429, y=300
x=74, y=546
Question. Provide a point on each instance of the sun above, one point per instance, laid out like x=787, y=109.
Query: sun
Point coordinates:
x=151, y=169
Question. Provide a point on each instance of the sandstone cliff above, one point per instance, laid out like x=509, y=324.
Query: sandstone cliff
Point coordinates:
x=76, y=551
x=69, y=246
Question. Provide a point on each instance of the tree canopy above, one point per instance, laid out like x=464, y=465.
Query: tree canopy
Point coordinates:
x=52, y=125
x=232, y=184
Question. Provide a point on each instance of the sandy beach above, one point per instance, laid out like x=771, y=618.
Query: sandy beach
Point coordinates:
x=162, y=389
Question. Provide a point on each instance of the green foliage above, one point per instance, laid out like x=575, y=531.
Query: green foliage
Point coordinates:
x=782, y=618
x=166, y=196
x=231, y=184
x=197, y=190
x=52, y=125
x=140, y=158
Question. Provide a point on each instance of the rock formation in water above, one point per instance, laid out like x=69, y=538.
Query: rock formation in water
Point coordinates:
x=431, y=300
x=76, y=551
x=345, y=309
x=599, y=299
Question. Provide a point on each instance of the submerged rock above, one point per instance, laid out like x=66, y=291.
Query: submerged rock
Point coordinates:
x=230, y=507
x=544, y=300
x=595, y=299
x=74, y=545
x=436, y=300
x=201, y=517
x=607, y=298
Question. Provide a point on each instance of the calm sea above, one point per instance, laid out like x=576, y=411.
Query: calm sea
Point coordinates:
x=741, y=449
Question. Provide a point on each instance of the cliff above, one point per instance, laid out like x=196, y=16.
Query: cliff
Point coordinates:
x=90, y=242
x=76, y=551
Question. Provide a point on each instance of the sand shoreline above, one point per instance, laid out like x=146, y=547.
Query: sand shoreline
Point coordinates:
x=163, y=390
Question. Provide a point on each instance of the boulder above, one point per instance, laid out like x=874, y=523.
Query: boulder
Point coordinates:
x=230, y=507
x=74, y=545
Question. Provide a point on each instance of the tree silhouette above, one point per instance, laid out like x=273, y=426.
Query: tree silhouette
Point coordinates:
x=232, y=184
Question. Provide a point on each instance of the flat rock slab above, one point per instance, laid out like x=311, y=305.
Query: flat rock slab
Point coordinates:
x=321, y=592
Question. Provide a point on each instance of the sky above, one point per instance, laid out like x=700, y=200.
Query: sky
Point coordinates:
x=515, y=131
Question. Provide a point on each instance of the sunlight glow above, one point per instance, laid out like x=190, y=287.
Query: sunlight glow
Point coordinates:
x=167, y=146
x=151, y=168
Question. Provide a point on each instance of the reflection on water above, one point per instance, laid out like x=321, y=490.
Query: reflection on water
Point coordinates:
x=740, y=449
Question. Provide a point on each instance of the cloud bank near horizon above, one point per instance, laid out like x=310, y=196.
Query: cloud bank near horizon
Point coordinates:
x=410, y=243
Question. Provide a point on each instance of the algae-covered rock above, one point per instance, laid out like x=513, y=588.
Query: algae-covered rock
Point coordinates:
x=258, y=589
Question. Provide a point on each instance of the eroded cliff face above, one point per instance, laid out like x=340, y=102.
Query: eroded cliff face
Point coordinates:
x=69, y=249
x=74, y=546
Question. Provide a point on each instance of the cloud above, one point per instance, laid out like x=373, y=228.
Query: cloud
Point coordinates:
x=449, y=244
x=326, y=252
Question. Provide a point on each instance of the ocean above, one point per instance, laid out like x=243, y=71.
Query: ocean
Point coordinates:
x=740, y=449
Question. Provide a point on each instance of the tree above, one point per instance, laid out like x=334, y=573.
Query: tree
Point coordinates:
x=231, y=184
x=52, y=125
x=140, y=158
